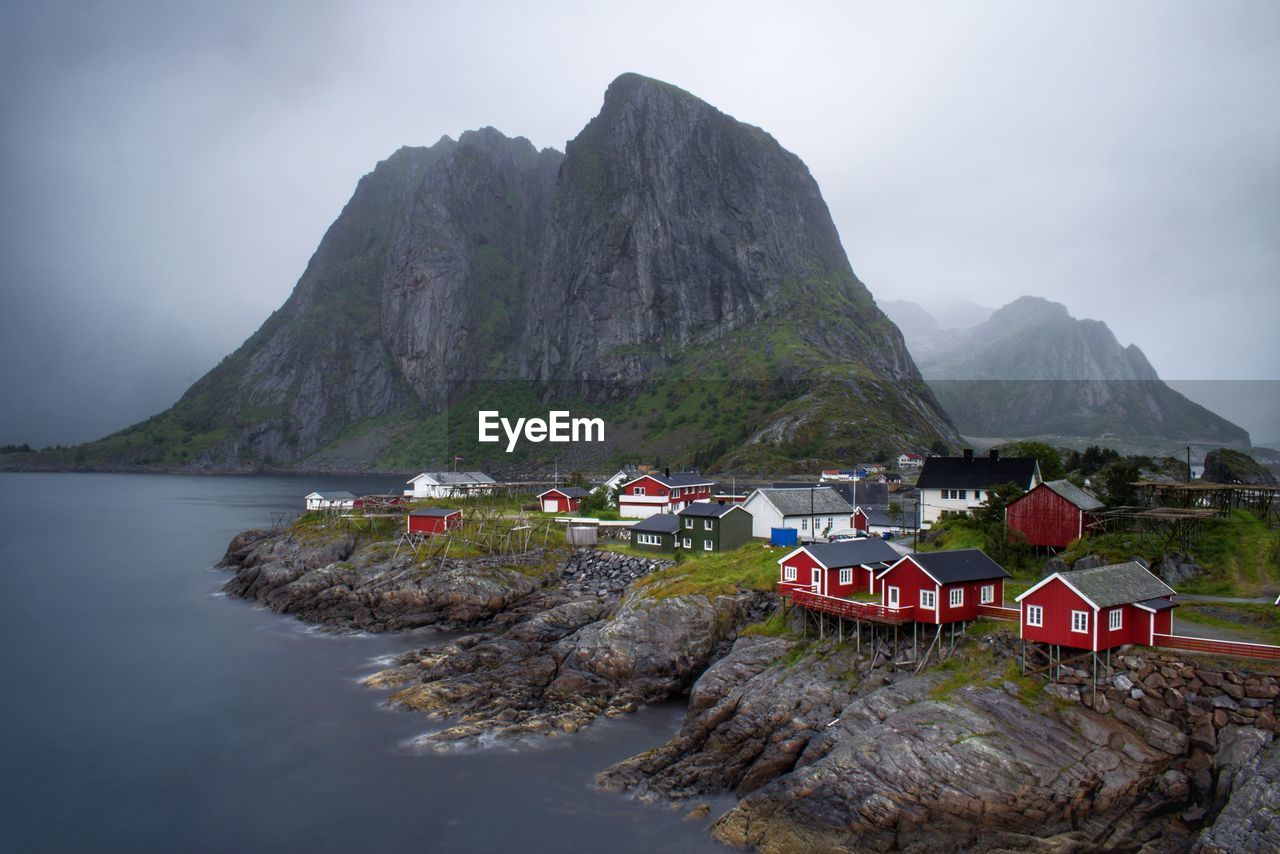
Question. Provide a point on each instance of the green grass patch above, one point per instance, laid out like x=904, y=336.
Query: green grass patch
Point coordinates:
x=774, y=627
x=752, y=567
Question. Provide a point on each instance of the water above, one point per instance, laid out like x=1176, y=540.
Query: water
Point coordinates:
x=143, y=711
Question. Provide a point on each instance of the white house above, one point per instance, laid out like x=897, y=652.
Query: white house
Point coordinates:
x=331, y=501
x=814, y=512
x=661, y=493
x=448, y=484
x=910, y=461
x=956, y=485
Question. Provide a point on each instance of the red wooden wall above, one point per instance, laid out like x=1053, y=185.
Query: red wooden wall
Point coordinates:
x=1045, y=518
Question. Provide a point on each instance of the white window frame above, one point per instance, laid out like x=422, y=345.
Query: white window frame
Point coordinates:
x=706, y=525
x=977, y=495
x=955, y=597
x=688, y=523
x=1035, y=616
x=788, y=573
x=637, y=490
x=688, y=543
x=987, y=594
x=964, y=495
x=815, y=577
x=1115, y=619
x=931, y=597
x=675, y=493
x=706, y=545
x=804, y=524
x=1081, y=619
x=846, y=575
x=892, y=597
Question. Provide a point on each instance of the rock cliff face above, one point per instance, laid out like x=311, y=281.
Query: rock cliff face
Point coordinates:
x=1032, y=369
x=670, y=246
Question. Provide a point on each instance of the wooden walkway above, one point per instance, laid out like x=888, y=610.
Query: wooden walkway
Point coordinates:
x=851, y=610
x=1240, y=649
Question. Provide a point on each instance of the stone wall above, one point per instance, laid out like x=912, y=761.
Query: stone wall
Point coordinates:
x=605, y=572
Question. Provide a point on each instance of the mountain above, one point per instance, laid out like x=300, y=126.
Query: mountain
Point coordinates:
x=674, y=271
x=1031, y=369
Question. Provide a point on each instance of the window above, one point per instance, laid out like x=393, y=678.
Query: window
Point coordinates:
x=987, y=594
x=706, y=545
x=788, y=573
x=804, y=524
x=977, y=495
x=637, y=490
x=830, y=521
x=688, y=543
x=962, y=494
x=1079, y=621
x=706, y=525
x=928, y=600
x=1115, y=619
x=956, y=597
x=1035, y=615
x=846, y=575
x=688, y=523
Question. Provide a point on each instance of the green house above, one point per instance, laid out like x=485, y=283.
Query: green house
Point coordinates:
x=655, y=534
x=708, y=526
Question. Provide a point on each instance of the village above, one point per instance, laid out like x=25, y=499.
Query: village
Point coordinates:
x=870, y=551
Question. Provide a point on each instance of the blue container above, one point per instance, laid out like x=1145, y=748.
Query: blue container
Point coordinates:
x=784, y=536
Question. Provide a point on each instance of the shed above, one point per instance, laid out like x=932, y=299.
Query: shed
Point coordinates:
x=943, y=587
x=562, y=499
x=433, y=520
x=1054, y=514
x=706, y=526
x=1098, y=608
x=330, y=500
x=835, y=569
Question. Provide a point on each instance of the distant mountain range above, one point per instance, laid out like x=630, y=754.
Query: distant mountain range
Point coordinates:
x=1031, y=369
x=674, y=271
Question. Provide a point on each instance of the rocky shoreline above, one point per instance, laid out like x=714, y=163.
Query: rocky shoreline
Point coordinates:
x=822, y=749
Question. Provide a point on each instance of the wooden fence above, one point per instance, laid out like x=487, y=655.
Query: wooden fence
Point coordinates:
x=1266, y=652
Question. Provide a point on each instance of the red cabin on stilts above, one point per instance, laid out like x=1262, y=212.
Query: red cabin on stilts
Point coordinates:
x=433, y=520
x=943, y=587
x=1099, y=608
x=835, y=569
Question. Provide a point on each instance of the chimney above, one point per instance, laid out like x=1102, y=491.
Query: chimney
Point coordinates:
x=968, y=455
x=994, y=453
x=667, y=471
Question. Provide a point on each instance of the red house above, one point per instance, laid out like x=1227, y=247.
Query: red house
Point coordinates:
x=835, y=569
x=1055, y=514
x=661, y=493
x=1098, y=608
x=433, y=520
x=943, y=587
x=562, y=499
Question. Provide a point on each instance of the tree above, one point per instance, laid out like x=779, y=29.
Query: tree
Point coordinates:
x=1050, y=460
x=1006, y=549
x=939, y=447
x=1118, y=481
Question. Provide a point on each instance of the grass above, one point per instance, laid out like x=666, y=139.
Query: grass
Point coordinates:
x=1262, y=622
x=753, y=567
x=774, y=627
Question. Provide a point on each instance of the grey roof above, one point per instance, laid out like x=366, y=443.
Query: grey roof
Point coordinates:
x=1158, y=604
x=1074, y=494
x=1117, y=584
x=456, y=478
x=568, y=491
x=796, y=502
x=709, y=508
x=658, y=523
x=878, y=514
x=852, y=552
x=959, y=565
x=433, y=511
x=340, y=495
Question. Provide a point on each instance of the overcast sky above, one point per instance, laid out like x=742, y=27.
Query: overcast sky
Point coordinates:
x=167, y=168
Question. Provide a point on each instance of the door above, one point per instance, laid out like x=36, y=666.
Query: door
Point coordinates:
x=817, y=580
x=891, y=597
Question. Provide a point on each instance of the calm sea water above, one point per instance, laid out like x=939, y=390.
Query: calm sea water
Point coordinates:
x=143, y=711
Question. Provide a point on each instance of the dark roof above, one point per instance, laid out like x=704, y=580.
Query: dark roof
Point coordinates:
x=1117, y=584
x=568, y=491
x=709, y=508
x=852, y=552
x=959, y=565
x=340, y=495
x=681, y=479
x=797, y=502
x=878, y=514
x=658, y=523
x=980, y=472
x=433, y=511
x=1158, y=604
x=1074, y=494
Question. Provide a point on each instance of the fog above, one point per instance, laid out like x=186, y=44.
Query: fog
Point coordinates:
x=168, y=168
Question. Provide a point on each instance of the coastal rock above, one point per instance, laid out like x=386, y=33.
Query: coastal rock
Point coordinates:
x=978, y=769
x=1249, y=821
